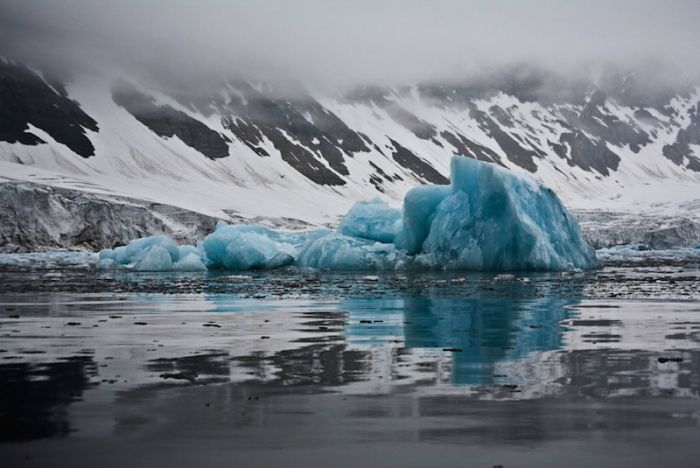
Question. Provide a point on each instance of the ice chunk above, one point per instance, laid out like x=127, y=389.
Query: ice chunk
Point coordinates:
x=139, y=247
x=495, y=220
x=335, y=251
x=240, y=247
x=374, y=220
x=155, y=253
x=190, y=262
x=419, y=207
x=155, y=258
x=245, y=248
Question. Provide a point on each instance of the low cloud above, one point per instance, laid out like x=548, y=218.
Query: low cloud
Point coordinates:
x=345, y=42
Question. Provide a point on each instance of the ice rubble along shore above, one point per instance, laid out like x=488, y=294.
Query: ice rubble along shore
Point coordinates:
x=487, y=219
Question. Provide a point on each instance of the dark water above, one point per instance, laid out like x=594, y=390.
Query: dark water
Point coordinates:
x=302, y=369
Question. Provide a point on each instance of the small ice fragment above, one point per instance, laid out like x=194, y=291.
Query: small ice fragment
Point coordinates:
x=504, y=277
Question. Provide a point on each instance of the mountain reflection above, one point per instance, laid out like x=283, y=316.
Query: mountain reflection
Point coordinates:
x=34, y=398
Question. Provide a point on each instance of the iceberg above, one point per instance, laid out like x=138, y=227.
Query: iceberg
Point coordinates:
x=487, y=219
x=495, y=220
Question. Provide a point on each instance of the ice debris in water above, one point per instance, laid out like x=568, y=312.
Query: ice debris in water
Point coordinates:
x=487, y=219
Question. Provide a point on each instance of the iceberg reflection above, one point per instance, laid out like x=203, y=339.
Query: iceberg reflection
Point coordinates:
x=480, y=331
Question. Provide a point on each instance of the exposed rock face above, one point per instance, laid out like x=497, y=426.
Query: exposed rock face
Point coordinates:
x=581, y=151
x=301, y=129
x=165, y=121
x=27, y=99
x=521, y=153
x=425, y=171
x=680, y=151
x=34, y=217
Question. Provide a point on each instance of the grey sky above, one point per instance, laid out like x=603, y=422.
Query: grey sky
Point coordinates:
x=336, y=41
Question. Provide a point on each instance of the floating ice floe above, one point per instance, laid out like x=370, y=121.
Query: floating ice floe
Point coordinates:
x=488, y=219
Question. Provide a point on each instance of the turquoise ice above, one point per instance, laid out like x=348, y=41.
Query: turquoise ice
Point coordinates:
x=487, y=219
x=493, y=220
x=373, y=220
x=155, y=253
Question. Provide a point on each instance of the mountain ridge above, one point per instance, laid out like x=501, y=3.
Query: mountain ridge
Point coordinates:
x=247, y=148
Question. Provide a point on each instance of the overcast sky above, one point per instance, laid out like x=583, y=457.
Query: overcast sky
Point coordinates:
x=350, y=41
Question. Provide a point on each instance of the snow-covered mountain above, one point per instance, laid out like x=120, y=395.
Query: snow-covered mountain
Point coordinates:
x=291, y=155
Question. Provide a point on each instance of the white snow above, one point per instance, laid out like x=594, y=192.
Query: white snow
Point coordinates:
x=132, y=161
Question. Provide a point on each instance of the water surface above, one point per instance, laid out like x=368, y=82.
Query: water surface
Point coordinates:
x=305, y=369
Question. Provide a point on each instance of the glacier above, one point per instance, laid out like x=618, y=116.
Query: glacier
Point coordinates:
x=487, y=219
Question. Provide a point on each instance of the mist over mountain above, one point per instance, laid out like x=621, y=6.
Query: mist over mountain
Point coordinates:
x=345, y=43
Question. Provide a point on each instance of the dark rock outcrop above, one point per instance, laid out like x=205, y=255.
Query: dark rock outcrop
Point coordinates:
x=165, y=121
x=27, y=99
x=586, y=153
x=303, y=131
x=422, y=169
x=680, y=150
x=516, y=152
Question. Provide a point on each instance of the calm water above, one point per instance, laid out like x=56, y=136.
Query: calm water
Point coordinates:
x=303, y=369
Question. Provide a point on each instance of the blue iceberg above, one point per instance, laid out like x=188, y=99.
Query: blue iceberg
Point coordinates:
x=487, y=219
x=494, y=220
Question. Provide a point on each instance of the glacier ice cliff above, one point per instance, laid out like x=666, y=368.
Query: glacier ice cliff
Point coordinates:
x=487, y=219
